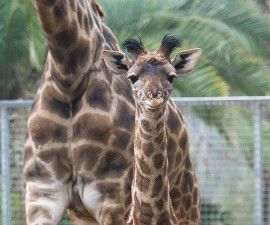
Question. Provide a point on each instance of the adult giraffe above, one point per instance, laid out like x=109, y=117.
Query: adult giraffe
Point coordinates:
x=78, y=152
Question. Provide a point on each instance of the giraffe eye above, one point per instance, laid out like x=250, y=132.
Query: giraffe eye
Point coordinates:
x=171, y=78
x=133, y=79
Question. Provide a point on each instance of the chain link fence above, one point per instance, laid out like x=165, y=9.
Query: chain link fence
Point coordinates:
x=229, y=144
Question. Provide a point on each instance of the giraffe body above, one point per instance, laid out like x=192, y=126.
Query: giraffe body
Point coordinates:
x=79, y=148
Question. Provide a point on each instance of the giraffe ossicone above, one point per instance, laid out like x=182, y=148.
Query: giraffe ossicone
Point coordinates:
x=151, y=75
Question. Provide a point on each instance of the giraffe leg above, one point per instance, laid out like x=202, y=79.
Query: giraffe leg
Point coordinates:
x=45, y=205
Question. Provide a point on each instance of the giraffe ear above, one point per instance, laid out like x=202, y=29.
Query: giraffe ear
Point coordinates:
x=117, y=62
x=186, y=60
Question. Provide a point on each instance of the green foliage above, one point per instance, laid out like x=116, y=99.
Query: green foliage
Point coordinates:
x=22, y=46
x=213, y=214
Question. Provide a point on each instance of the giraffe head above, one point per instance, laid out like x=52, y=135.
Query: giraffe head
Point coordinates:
x=151, y=73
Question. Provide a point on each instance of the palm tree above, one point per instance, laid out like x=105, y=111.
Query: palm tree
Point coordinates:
x=234, y=37
x=22, y=47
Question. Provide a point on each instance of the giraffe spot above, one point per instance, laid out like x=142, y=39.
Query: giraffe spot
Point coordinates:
x=44, y=130
x=86, y=155
x=57, y=54
x=195, y=196
x=187, y=202
x=163, y=219
x=92, y=126
x=158, y=183
x=173, y=122
x=159, y=204
x=122, y=87
x=60, y=9
x=160, y=138
x=77, y=57
x=195, y=214
x=77, y=106
x=110, y=190
x=109, y=38
x=171, y=150
x=81, y=87
x=178, y=158
x=112, y=165
x=121, y=139
x=146, y=213
x=35, y=212
x=62, y=83
x=160, y=126
x=126, y=116
x=54, y=106
x=187, y=182
x=144, y=135
x=143, y=166
x=184, y=141
x=145, y=125
x=175, y=194
x=148, y=149
x=158, y=161
x=37, y=171
x=59, y=161
x=28, y=153
x=67, y=36
x=99, y=95
x=142, y=183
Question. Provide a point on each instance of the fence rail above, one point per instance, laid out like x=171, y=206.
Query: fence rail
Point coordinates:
x=230, y=147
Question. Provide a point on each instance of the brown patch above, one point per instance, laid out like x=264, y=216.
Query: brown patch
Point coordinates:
x=160, y=138
x=78, y=57
x=125, y=117
x=28, y=153
x=173, y=122
x=92, y=126
x=146, y=213
x=59, y=160
x=113, y=165
x=187, y=202
x=67, y=36
x=195, y=196
x=97, y=7
x=36, y=171
x=159, y=204
x=44, y=130
x=148, y=149
x=178, y=158
x=184, y=141
x=110, y=190
x=60, y=9
x=144, y=135
x=86, y=155
x=175, y=194
x=77, y=106
x=122, y=87
x=99, y=95
x=142, y=183
x=163, y=219
x=121, y=139
x=171, y=150
x=187, y=182
x=145, y=125
x=158, y=161
x=38, y=212
x=158, y=183
x=195, y=214
x=143, y=166
x=54, y=106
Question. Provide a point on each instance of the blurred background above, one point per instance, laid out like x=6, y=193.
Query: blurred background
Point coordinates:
x=226, y=134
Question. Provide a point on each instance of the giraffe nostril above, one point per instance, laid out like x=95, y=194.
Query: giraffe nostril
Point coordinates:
x=159, y=94
x=149, y=95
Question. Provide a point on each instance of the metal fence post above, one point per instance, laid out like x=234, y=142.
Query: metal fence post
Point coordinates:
x=5, y=168
x=258, y=164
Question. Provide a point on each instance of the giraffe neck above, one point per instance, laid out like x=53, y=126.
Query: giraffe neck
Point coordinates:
x=76, y=37
x=150, y=189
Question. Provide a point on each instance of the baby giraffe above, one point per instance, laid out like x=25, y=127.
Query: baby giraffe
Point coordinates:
x=151, y=75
